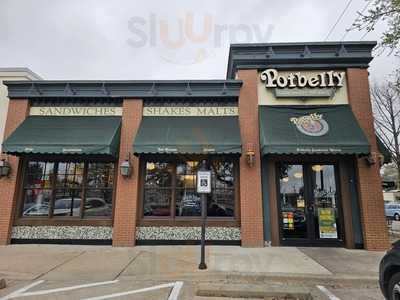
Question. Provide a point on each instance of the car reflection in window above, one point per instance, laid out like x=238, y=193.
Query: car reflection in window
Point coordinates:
x=97, y=207
x=40, y=209
x=62, y=207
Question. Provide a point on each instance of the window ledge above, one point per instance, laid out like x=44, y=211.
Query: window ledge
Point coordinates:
x=62, y=222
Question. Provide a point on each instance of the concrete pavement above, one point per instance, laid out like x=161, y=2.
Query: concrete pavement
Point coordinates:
x=146, y=266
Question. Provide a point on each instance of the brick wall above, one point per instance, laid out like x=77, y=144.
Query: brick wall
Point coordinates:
x=370, y=189
x=127, y=188
x=17, y=112
x=250, y=178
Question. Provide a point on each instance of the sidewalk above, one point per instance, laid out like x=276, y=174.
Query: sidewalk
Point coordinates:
x=54, y=270
x=99, y=263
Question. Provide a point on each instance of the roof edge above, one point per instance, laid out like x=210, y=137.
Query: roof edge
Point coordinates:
x=300, y=55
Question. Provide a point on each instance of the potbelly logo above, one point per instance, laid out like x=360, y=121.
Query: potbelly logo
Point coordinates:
x=312, y=125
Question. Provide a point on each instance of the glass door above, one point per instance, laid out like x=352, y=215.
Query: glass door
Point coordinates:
x=325, y=206
x=309, y=204
x=292, y=202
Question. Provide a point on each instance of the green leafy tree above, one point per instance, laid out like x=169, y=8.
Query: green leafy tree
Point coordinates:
x=382, y=11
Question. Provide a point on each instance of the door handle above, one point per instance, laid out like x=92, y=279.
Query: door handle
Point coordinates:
x=310, y=208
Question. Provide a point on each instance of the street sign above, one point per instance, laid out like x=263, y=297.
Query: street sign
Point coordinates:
x=204, y=182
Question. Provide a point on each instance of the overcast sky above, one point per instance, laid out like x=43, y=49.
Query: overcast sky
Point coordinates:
x=127, y=39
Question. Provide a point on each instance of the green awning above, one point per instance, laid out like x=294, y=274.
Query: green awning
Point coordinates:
x=329, y=129
x=387, y=158
x=194, y=135
x=65, y=135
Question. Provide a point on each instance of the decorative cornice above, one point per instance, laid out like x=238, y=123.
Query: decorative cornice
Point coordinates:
x=313, y=55
x=124, y=89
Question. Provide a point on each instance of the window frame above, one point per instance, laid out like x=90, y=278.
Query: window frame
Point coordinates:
x=80, y=220
x=174, y=220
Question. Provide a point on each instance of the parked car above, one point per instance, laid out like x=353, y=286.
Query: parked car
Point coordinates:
x=392, y=210
x=389, y=273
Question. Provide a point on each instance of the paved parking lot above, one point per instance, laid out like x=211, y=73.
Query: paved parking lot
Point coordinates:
x=170, y=272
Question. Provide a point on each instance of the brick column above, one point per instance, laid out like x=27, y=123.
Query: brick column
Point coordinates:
x=127, y=188
x=18, y=109
x=369, y=181
x=250, y=177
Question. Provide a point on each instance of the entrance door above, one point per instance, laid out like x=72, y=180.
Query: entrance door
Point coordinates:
x=309, y=202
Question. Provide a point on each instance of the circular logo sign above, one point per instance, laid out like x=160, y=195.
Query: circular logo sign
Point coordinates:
x=312, y=125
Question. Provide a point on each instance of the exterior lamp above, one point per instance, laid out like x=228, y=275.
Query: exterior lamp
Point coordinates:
x=370, y=159
x=381, y=159
x=126, y=168
x=250, y=155
x=5, y=168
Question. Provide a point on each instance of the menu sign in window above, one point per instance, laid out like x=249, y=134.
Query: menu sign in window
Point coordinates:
x=327, y=223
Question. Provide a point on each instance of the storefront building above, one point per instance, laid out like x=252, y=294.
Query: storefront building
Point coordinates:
x=288, y=138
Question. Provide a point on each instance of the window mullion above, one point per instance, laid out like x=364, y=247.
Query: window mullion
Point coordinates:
x=53, y=189
x=173, y=192
x=83, y=191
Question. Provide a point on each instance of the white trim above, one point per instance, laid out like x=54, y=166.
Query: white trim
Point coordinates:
x=327, y=292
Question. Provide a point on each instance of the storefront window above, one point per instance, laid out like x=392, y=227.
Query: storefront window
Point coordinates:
x=38, y=188
x=221, y=203
x=99, y=190
x=68, y=194
x=187, y=200
x=62, y=186
x=170, y=189
x=158, y=189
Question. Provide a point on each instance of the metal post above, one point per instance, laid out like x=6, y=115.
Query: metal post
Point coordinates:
x=203, y=198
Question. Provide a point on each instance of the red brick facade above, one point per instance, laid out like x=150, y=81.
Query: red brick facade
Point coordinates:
x=250, y=177
x=250, y=185
x=369, y=181
x=17, y=111
x=127, y=188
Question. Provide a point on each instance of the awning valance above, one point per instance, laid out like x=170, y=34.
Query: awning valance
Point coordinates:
x=65, y=135
x=192, y=135
x=329, y=129
x=383, y=150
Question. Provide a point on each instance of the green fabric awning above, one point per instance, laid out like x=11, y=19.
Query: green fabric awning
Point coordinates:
x=194, y=135
x=65, y=135
x=387, y=158
x=329, y=129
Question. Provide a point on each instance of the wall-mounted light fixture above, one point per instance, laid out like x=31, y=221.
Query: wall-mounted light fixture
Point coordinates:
x=371, y=159
x=126, y=167
x=250, y=155
x=5, y=168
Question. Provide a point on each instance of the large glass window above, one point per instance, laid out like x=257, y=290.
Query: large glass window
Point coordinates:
x=158, y=189
x=38, y=190
x=58, y=189
x=170, y=189
x=68, y=193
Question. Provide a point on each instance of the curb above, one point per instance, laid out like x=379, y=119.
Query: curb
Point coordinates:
x=2, y=283
x=215, y=277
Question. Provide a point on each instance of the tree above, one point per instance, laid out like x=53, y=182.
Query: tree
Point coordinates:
x=386, y=107
x=382, y=10
x=389, y=172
